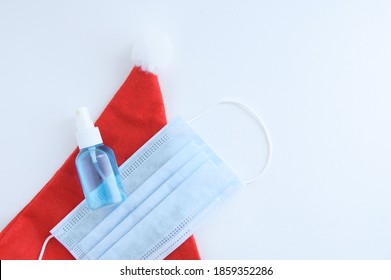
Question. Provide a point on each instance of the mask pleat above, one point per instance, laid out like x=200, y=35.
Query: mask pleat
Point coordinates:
x=167, y=220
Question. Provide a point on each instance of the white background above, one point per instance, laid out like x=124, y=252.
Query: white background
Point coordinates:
x=318, y=72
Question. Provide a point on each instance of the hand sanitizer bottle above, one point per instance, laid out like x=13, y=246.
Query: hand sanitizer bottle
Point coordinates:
x=96, y=165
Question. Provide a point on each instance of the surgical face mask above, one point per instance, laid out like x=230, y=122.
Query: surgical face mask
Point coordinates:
x=173, y=183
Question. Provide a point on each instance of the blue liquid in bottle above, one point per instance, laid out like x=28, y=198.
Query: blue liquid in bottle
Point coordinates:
x=96, y=165
x=99, y=176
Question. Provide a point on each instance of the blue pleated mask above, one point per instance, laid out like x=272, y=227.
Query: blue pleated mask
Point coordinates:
x=173, y=183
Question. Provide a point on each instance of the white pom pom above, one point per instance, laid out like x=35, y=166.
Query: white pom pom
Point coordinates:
x=152, y=52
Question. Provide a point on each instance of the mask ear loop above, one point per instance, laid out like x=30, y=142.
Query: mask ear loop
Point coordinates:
x=44, y=246
x=258, y=121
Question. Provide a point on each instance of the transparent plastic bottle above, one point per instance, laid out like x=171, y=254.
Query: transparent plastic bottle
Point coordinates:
x=96, y=165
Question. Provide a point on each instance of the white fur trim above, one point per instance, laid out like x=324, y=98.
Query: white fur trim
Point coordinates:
x=152, y=52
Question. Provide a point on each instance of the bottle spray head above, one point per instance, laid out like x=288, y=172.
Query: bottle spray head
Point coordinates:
x=87, y=134
x=83, y=119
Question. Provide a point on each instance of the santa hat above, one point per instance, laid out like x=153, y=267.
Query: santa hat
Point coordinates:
x=134, y=115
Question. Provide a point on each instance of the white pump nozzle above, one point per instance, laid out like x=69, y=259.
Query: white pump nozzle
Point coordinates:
x=83, y=119
x=87, y=134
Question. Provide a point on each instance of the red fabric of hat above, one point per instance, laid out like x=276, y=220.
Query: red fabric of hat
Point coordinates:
x=134, y=115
